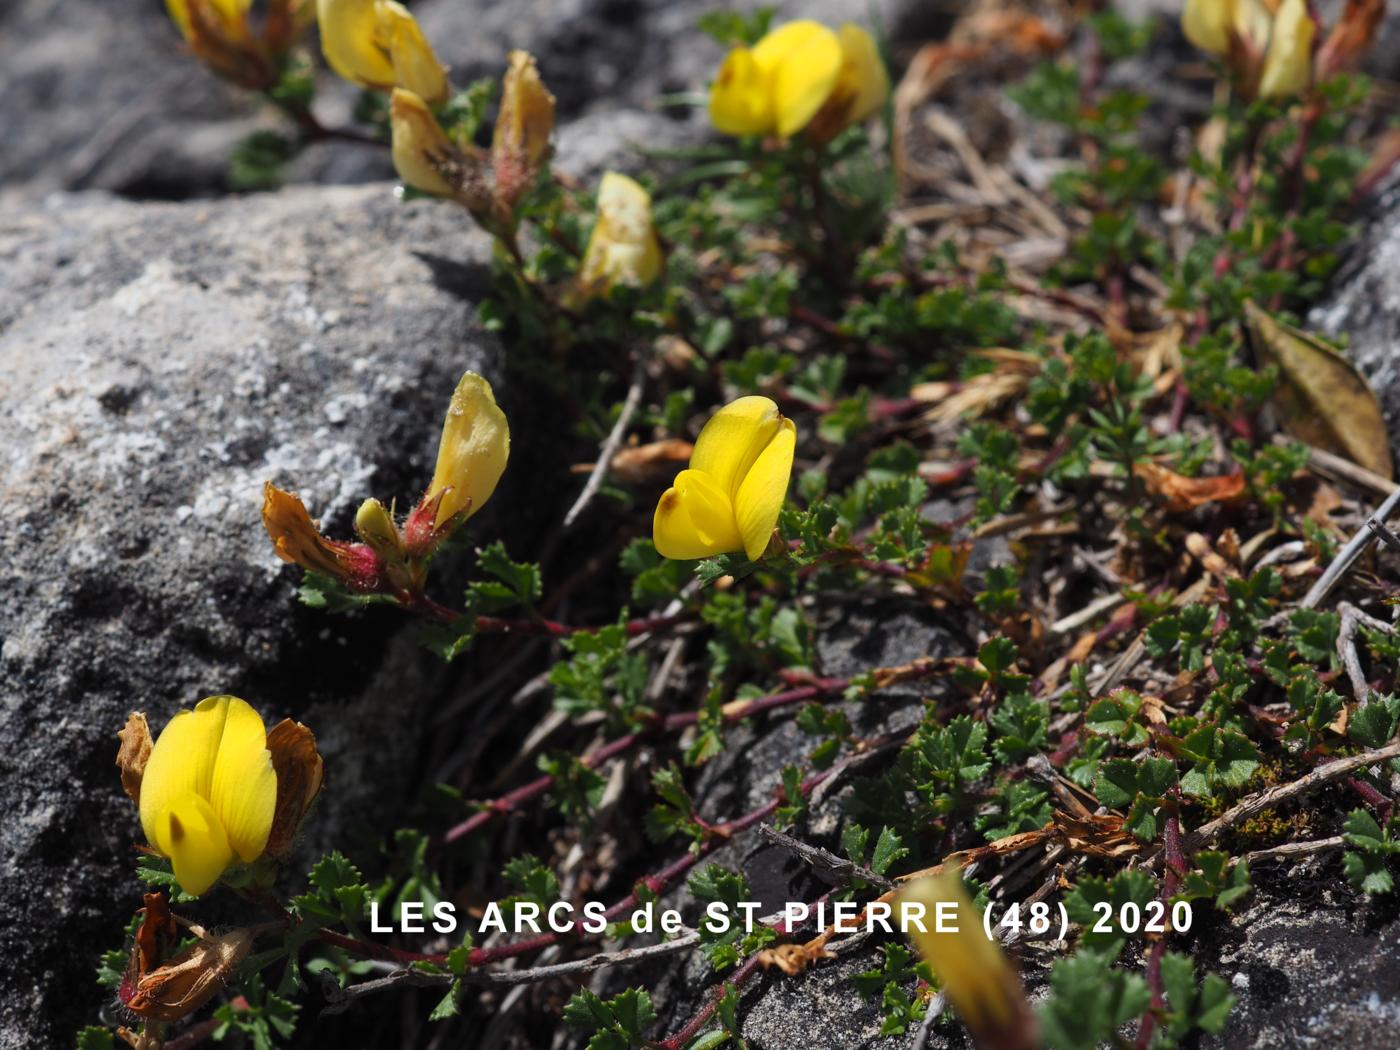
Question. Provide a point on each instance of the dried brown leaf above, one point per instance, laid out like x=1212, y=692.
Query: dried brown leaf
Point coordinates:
x=1182, y=493
x=1321, y=397
x=793, y=959
x=1095, y=835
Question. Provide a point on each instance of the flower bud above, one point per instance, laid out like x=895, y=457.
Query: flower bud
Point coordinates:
x=1208, y=24
x=623, y=248
x=422, y=151
x=296, y=539
x=520, y=145
x=189, y=980
x=375, y=526
x=230, y=15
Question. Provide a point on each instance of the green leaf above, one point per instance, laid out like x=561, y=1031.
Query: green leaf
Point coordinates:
x=1089, y=1001
x=1374, y=725
x=889, y=849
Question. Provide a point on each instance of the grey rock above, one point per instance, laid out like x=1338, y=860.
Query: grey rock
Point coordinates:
x=161, y=361
x=1364, y=305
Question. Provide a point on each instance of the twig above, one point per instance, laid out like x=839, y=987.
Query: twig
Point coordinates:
x=823, y=859
x=1341, y=469
x=600, y=468
x=1270, y=797
x=1347, y=556
x=1295, y=849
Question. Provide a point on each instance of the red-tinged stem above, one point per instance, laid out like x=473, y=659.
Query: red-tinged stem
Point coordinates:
x=537, y=626
x=512, y=801
x=1173, y=868
x=1373, y=798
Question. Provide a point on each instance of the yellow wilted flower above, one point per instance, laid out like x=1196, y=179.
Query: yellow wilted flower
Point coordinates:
x=1267, y=43
x=520, y=145
x=973, y=971
x=208, y=793
x=1288, y=63
x=800, y=74
x=378, y=44
x=623, y=248
x=729, y=498
x=419, y=144
x=471, y=456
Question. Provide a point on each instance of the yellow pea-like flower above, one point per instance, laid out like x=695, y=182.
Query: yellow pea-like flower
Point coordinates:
x=1288, y=62
x=623, y=248
x=800, y=74
x=208, y=793
x=729, y=497
x=472, y=453
x=418, y=140
x=378, y=44
x=973, y=971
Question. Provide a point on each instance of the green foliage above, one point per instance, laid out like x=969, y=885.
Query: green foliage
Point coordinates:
x=1223, y=759
x=619, y=1023
x=1089, y=1000
x=576, y=790
x=1367, y=864
x=1191, y=1006
x=1217, y=880
x=892, y=983
x=725, y=943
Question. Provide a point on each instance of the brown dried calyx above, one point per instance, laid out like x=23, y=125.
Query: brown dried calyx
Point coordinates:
x=300, y=771
x=133, y=754
x=181, y=985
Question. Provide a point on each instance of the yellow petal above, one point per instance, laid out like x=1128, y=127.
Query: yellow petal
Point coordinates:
x=1288, y=67
x=182, y=760
x=623, y=247
x=415, y=65
x=1252, y=22
x=473, y=451
x=189, y=833
x=741, y=98
x=695, y=519
x=418, y=139
x=243, y=791
x=973, y=971
x=802, y=60
x=763, y=490
x=863, y=71
x=349, y=30
x=1207, y=24
x=731, y=442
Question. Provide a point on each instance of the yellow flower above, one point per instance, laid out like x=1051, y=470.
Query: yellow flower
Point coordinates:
x=729, y=497
x=520, y=144
x=472, y=453
x=209, y=791
x=378, y=44
x=1208, y=24
x=800, y=74
x=227, y=14
x=420, y=144
x=973, y=971
x=1288, y=64
x=623, y=248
